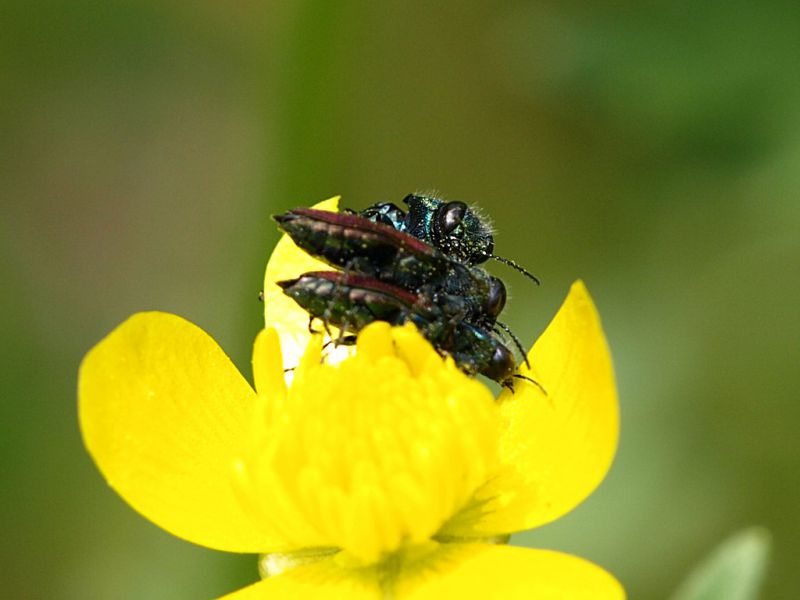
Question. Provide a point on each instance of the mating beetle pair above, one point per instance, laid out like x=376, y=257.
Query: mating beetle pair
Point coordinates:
x=419, y=266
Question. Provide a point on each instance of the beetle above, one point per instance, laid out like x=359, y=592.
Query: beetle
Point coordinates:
x=351, y=302
x=356, y=244
x=451, y=226
x=374, y=246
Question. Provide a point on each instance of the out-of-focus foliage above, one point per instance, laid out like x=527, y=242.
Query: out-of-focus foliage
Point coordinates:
x=651, y=148
x=734, y=571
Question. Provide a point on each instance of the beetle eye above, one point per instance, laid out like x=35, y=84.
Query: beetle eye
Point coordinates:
x=449, y=216
x=501, y=365
x=496, y=298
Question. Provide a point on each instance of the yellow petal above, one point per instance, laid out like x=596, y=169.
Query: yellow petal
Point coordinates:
x=268, y=364
x=556, y=449
x=163, y=411
x=434, y=572
x=280, y=311
x=505, y=572
x=323, y=580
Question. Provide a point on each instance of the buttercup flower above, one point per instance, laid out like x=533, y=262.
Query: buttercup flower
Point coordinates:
x=390, y=474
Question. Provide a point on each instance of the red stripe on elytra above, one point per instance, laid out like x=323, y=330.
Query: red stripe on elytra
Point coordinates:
x=356, y=222
x=368, y=283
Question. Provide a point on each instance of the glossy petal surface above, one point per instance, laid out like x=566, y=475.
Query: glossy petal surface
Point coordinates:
x=506, y=572
x=319, y=581
x=280, y=311
x=556, y=448
x=268, y=373
x=162, y=411
x=467, y=571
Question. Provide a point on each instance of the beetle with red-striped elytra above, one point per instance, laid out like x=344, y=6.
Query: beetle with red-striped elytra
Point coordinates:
x=455, y=303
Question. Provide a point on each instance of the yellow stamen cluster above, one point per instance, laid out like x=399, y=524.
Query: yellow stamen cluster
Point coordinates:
x=372, y=454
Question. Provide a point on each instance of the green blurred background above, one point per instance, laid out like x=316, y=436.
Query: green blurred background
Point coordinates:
x=651, y=148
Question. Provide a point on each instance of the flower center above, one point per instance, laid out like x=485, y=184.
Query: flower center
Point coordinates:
x=373, y=454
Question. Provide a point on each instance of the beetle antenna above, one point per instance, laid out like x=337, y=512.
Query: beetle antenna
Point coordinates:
x=517, y=343
x=513, y=265
x=533, y=381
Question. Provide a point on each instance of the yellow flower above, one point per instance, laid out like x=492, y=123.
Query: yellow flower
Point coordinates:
x=387, y=475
